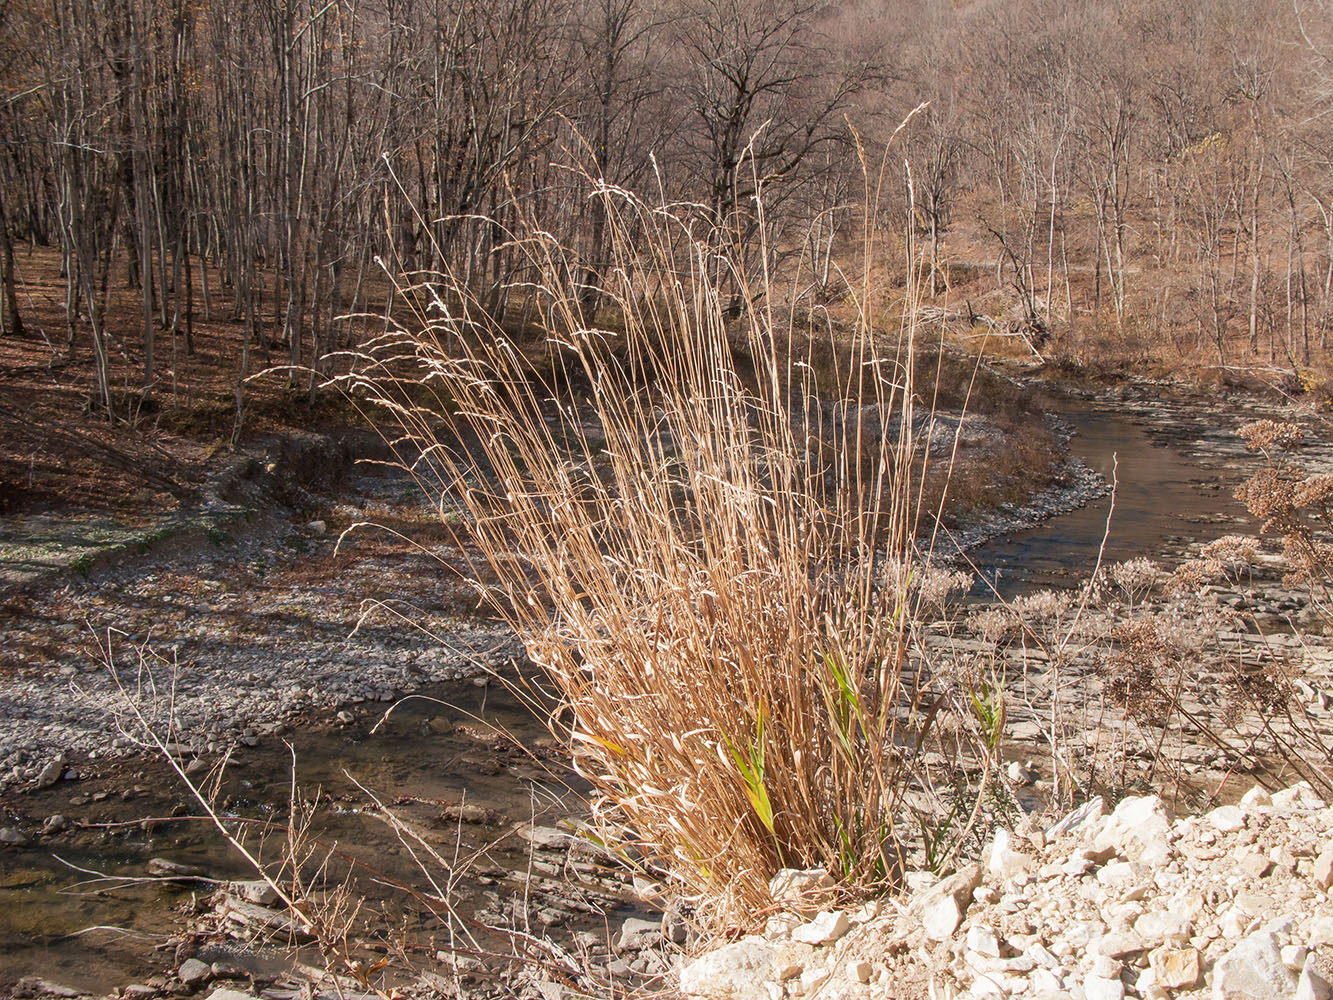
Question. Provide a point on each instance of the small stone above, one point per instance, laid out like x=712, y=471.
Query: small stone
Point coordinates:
x=256, y=891
x=1256, y=797
x=1021, y=774
x=13, y=836
x=1255, y=865
x=824, y=929
x=1164, y=927
x=1105, y=967
x=1045, y=982
x=1294, y=956
x=1313, y=985
x=1005, y=862
x=637, y=934
x=1323, y=868
x=1227, y=819
x=1116, y=873
x=811, y=979
x=50, y=774
x=863, y=972
x=546, y=838
x=317, y=527
x=346, y=717
x=1175, y=967
x=1081, y=818
x=55, y=823
x=1321, y=932
x=941, y=918
x=1118, y=945
x=983, y=941
x=222, y=993
x=1041, y=956
x=1139, y=827
x=193, y=972
x=1299, y=795
x=1097, y=988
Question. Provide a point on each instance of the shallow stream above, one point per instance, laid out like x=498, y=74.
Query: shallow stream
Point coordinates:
x=462, y=766
x=1168, y=492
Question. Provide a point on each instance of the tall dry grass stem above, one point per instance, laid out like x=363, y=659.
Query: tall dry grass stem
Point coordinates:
x=704, y=538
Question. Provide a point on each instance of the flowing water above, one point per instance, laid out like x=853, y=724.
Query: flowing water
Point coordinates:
x=83, y=914
x=1167, y=494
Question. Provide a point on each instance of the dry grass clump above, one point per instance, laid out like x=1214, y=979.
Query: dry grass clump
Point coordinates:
x=712, y=561
x=1292, y=503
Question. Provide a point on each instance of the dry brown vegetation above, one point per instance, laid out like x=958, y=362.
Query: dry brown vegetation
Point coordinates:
x=716, y=569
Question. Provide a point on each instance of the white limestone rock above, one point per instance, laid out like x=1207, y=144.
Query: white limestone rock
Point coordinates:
x=1253, y=970
x=1313, y=985
x=1081, y=819
x=736, y=971
x=1097, y=988
x=826, y=928
x=1004, y=862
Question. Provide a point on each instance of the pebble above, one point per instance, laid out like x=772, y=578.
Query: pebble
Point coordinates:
x=193, y=972
x=50, y=774
x=1322, y=871
x=1175, y=967
x=1313, y=984
x=826, y=928
x=1097, y=988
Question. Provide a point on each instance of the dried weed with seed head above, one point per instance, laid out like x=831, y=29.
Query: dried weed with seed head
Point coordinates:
x=1224, y=560
x=1271, y=435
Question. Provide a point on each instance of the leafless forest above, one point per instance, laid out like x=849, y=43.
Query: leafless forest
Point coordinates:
x=1128, y=180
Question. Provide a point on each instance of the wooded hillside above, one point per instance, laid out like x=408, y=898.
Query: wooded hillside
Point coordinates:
x=1124, y=178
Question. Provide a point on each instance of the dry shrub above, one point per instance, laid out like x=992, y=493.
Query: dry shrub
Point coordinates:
x=1293, y=504
x=712, y=561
